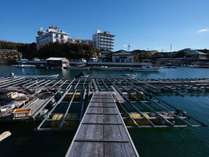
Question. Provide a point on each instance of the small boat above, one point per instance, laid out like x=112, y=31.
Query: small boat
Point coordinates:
x=24, y=66
x=39, y=76
x=5, y=135
x=146, y=69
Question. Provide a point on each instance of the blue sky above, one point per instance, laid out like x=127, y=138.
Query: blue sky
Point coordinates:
x=144, y=24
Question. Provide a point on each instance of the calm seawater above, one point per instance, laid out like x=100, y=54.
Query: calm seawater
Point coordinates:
x=158, y=142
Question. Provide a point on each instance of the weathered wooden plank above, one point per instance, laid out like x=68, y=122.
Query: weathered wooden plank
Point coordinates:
x=102, y=104
x=87, y=149
x=90, y=132
x=114, y=133
x=110, y=110
x=112, y=119
x=102, y=149
x=102, y=131
x=102, y=100
x=105, y=119
x=102, y=110
x=118, y=150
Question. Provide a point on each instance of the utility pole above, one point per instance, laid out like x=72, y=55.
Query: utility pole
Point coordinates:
x=171, y=47
x=129, y=47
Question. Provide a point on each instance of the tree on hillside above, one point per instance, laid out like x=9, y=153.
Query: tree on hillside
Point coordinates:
x=68, y=50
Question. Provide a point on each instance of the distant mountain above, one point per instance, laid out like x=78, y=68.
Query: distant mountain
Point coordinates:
x=151, y=54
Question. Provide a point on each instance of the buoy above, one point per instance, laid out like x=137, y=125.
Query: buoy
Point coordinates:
x=5, y=135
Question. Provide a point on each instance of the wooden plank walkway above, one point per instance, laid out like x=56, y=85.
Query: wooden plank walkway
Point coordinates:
x=102, y=131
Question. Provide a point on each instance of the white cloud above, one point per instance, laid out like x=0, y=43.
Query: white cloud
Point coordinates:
x=203, y=30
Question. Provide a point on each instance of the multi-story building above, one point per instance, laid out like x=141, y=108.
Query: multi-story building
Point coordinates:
x=81, y=41
x=52, y=35
x=103, y=40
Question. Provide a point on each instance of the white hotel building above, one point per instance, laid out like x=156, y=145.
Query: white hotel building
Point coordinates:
x=52, y=35
x=103, y=40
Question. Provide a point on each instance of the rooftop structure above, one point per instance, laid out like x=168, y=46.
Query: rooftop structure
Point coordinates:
x=123, y=57
x=81, y=41
x=51, y=35
x=103, y=40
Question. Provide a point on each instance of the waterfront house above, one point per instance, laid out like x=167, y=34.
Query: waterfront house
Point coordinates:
x=57, y=62
x=92, y=60
x=124, y=57
x=201, y=55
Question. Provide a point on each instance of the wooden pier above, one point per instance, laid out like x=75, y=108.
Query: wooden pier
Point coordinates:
x=102, y=131
x=103, y=108
x=65, y=101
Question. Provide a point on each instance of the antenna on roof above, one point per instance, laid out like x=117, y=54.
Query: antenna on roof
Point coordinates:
x=171, y=47
x=129, y=47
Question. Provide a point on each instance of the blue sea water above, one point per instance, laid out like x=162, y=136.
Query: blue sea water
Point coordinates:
x=150, y=142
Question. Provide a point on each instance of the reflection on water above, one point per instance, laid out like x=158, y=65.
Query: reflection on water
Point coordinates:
x=70, y=73
x=181, y=142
